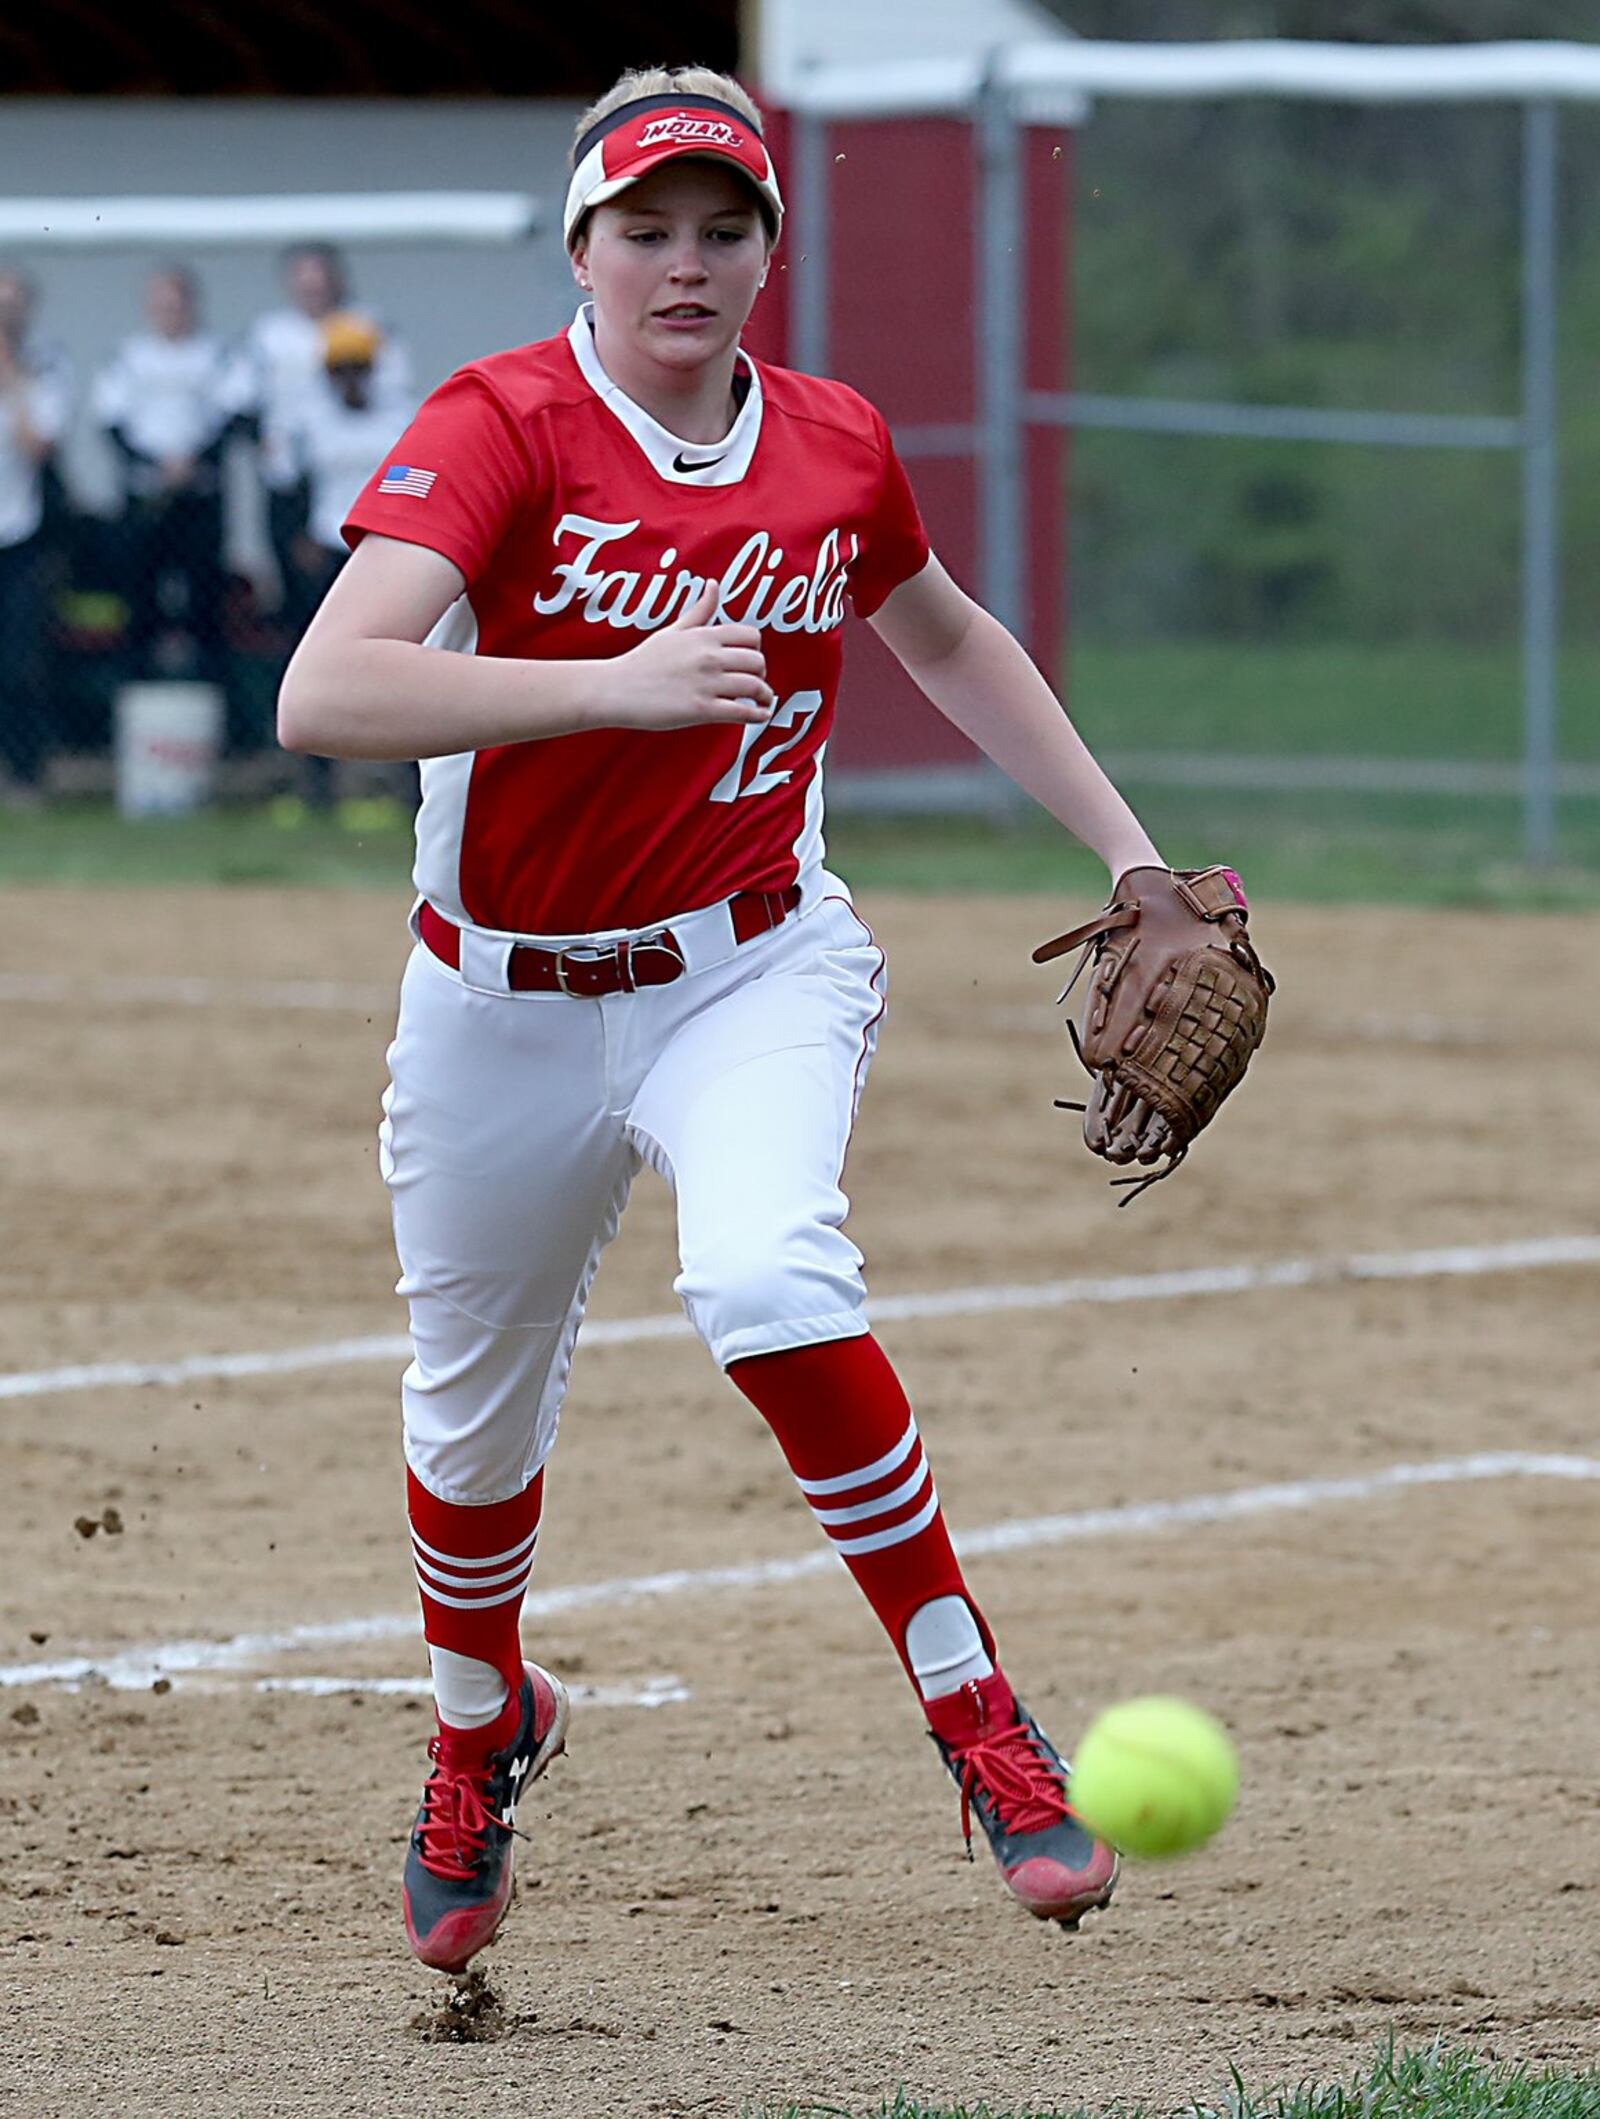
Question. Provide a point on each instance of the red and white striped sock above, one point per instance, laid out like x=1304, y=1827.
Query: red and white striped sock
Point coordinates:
x=842, y=1420
x=472, y=1568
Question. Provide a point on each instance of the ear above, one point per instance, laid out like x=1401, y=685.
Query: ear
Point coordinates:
x=580, y=264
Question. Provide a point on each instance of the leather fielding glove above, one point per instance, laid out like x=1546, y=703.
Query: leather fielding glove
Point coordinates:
x=1176, y=1002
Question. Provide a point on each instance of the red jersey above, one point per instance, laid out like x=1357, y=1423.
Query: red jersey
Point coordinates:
x=581, y=525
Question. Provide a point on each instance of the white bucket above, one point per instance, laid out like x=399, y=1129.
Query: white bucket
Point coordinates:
x=167, y=739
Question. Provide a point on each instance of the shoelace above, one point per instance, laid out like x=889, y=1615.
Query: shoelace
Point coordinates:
x=455, y=1817
x=1018, y=1777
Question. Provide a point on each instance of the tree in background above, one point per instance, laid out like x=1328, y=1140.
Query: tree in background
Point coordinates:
x=1364, y=256
x=1342, y=21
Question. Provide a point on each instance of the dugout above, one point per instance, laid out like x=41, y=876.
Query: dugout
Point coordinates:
x=881, y=278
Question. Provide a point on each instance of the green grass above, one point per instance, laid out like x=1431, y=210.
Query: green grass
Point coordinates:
x=1393, y=849
x=1422, y=700
x=1426, y=699
x=1434, y=2083
x=368, y=844
x=1421, y=850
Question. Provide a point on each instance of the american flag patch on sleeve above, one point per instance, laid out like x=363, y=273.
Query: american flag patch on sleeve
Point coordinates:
x=404, y=478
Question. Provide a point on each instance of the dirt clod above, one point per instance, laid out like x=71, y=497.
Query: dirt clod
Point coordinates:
x=473, y=2012
x=109, y=1520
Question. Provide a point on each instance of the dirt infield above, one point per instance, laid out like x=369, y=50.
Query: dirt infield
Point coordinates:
x=757, y=1891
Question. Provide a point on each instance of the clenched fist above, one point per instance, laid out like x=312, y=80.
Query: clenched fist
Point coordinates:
x=691, y=671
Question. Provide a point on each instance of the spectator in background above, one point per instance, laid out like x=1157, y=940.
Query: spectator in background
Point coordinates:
x=167, y=404
x=35, y=402
x=338, y=441
x=282, y=378
x=341, y=434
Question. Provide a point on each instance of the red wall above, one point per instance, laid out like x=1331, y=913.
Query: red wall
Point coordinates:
x=902, y=304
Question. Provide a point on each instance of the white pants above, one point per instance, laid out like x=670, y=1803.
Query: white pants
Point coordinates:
x=513, y=1126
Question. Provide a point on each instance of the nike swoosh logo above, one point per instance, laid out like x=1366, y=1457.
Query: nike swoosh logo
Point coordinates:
x=681, y=462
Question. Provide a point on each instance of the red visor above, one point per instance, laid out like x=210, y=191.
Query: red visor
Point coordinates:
x=632, y=141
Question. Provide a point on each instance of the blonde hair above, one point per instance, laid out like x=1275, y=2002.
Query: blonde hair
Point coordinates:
x=666, y=81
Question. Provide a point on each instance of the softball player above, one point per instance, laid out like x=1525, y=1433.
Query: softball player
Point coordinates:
x=599, y=591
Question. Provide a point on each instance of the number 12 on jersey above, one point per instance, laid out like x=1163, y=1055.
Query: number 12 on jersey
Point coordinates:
x=797, y=712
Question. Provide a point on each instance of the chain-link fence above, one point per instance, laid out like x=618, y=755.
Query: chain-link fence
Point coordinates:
x=1330, y=499
x=180, y=441
x=1316, y=456
x=1361, y=566
x=95, y=601
x=135, y=625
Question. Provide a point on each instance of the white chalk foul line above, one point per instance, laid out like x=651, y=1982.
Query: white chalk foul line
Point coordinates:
x=137, y=1669
x=188, y=990
x=184, y=992
x=209, y=1368
x=1458, y=1260
x=664, y=1690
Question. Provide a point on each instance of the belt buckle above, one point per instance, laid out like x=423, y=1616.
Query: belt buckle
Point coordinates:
x=581, y=955
x=623, y=954
x=663, y=941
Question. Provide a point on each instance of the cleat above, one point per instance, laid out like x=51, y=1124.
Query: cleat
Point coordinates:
x=1014, y=1781
x=458, y=1865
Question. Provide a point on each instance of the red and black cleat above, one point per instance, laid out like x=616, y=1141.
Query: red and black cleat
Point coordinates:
x=458, y=1865
x=1014, y=1781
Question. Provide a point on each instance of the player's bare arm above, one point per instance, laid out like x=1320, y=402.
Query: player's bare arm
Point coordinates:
x=983, y=681
x=363, y=683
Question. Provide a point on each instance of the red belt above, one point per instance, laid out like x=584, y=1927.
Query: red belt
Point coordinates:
x=588, y=970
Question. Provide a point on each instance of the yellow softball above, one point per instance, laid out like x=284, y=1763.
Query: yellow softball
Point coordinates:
x=1154, y=1777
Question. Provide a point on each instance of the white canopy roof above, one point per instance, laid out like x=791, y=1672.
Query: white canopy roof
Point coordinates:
x=277, y=217
x=1040, y=75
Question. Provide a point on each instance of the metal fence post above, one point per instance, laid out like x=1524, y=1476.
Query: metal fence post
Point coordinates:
x=809, y=273
x=1002, y=542
x=1540, y=528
